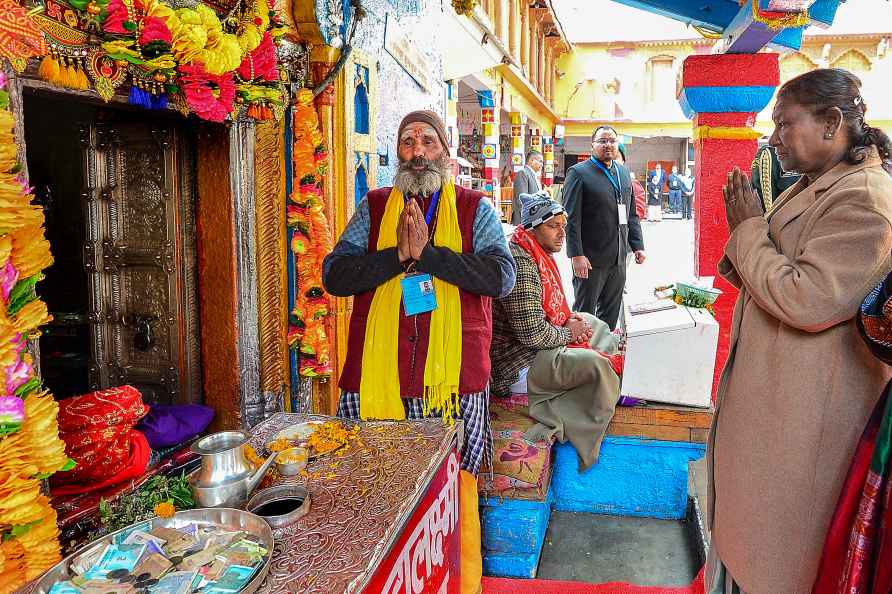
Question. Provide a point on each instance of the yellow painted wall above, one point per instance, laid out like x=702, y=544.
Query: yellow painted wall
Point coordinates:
x=587, y=90
x=593, y=81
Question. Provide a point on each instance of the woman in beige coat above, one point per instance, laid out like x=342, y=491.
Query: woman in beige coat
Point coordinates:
x=799, y=384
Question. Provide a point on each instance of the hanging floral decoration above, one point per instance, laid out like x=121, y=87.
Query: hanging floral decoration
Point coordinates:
x=209, y=96
x=30, y=448
x=310, y=242
x=207, y=64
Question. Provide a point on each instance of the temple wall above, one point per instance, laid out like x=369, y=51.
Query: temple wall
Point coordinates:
x=398, y=93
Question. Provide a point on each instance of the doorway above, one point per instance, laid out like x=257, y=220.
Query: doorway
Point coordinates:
x=118, y=192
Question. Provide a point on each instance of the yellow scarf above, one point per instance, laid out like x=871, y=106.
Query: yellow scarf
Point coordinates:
x=379, y=385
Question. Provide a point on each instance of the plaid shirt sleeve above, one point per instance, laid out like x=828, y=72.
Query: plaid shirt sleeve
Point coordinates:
x=523, y=307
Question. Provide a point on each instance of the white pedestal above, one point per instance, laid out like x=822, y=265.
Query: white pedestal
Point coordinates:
x=670, y=356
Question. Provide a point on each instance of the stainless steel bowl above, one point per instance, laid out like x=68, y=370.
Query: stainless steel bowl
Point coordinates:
x=292, y=468
x=231, y=519
x=276, y=493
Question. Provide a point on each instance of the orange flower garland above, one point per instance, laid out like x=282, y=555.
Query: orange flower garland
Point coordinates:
x=310, y=242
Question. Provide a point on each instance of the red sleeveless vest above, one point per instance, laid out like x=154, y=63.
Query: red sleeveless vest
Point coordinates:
x=476, y=316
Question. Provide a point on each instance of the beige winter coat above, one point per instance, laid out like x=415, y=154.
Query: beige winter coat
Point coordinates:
x=799, y=384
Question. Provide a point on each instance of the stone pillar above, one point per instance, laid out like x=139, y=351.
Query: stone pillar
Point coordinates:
x=490, y=149
x=548, y=159
x=540, y=69
x=518, y=149
x=513, y=30
x=534, y=52
x=502, y=11
x=525, y=38
x=722, y=93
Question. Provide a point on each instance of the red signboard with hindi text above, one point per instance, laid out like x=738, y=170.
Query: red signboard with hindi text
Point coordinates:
x=426, y=556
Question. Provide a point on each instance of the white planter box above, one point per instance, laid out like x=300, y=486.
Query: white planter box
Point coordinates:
x=670, y=356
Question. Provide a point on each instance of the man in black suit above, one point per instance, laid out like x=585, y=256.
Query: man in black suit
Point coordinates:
x=602, y=226
x=526, y=181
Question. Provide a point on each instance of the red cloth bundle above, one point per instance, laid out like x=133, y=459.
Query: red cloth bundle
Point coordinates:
x=98, y=432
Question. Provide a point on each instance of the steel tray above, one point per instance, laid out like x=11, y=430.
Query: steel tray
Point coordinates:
x=232, y=519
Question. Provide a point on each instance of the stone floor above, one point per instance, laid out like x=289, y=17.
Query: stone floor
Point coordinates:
x=597, y=549
x=669, y=246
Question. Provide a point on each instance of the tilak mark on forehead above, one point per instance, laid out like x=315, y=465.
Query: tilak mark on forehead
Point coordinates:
x=418, y=129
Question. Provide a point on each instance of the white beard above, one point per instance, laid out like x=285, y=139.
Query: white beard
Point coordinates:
x=421, y=183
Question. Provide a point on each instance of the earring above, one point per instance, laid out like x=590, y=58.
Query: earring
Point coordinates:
x=828, y=135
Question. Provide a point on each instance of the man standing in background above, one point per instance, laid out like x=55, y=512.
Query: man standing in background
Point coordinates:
x=687, y=194
x=655, y=181
x=602, y=225
x=526, y=181
x=674, y=191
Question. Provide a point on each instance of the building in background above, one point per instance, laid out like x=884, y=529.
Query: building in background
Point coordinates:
x=500, y=62
x=632, y=86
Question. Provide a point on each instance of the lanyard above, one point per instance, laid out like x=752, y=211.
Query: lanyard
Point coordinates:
x=435, y=199
x=613, y=182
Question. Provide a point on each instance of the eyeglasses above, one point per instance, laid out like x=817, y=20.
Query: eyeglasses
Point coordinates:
x=605, y=141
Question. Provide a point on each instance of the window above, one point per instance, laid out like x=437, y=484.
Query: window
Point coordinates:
x=361, y=178
x=361, y=100
x=662, y=79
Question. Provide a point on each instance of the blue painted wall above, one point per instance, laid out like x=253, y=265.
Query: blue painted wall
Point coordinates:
x=633, y=477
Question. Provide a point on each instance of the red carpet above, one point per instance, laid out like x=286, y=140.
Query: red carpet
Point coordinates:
x=510, y=586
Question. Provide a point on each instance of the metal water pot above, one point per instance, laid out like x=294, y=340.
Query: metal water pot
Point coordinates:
x=225, y=477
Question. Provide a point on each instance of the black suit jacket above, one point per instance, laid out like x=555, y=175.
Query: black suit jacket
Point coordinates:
x=593, y=228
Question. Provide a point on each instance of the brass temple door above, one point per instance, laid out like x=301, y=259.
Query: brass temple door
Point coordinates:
x=140, y=257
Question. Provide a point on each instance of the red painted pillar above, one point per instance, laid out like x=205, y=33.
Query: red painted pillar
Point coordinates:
x=713, y=159
x=722, y=93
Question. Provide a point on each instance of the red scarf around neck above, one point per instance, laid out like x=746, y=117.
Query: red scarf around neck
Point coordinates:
x=554, y=302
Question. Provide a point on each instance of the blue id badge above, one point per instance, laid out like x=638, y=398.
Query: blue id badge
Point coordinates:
x=418, y=294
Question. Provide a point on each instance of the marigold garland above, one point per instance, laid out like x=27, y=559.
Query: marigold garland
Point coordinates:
x=310, y=242
x=30, y=448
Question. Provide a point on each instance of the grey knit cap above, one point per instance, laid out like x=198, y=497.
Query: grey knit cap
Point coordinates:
x=538, y=208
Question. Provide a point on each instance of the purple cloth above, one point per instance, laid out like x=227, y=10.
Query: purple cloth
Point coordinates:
x=170, y=425
x=628, y=401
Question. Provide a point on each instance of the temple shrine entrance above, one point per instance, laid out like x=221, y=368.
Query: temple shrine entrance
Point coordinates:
x=118, y=189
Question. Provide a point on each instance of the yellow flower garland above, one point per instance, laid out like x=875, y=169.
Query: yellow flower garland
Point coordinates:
x=33, y=451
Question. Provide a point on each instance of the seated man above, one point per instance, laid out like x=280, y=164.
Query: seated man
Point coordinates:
x=571, y=386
